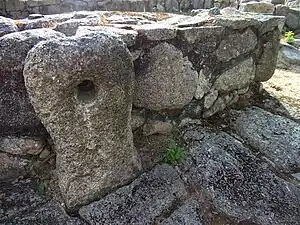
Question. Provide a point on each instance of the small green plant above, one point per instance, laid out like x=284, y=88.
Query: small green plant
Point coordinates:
x=174, y=153
x=289, y=37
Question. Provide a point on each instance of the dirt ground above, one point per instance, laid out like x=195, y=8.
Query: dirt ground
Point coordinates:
x=285, y=86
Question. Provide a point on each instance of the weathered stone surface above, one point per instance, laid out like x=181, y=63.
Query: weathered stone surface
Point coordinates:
x=156, y=32
x=137, y=118
x=287, y=56
x=70, y=27
x=239, y=184
x=278, y=138
x=81, y=88
x=7, y=26
x=293, y=3
x=266, y=63
x=21, y=145
x=17, y=114
x=128, y=36
x=186, y=214
x=292, y=21
x=203, y=85
x=166, y=79
x=11, y=167
x=141, y=202
x=281, y=10
x=257, y=7
x=234, y=45
x=237, y=77
x=21, y=203
x=210, y=98
x=157, y=127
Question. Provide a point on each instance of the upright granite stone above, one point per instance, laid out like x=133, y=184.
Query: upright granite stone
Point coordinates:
x=81, y=88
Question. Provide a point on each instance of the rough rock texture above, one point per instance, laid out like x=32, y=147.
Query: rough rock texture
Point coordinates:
x=166, y=80
x=142, y=202
x=7, y=26
x=238, y=183
x=257, y=7
x=266, y=63
x=189, y=213
x=21, y=202
x=234, y=45
x=12, y=167
x=17, y=114
x=276, y=137
x=288, y=55
x=81, y=89
x=156, y=32
x=244, y=73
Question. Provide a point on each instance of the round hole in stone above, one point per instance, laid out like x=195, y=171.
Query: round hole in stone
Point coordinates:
x=86, y=91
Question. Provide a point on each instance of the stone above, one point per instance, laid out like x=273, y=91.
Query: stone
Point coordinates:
x=156, y=32
x=292, y=21
x=157, y=127
x=257, y=7
x=210, y=98
x=236, y=182
x=234, y=45
x=45, y=153
x=278, y=2
x=287, y=56
x=128, y=36
x=82, y=90
x=278, y=138
x=203, y=86
x=293, y=3
x=70, y=27
x=22, y=202
x=21, y=145
x=17, y=115
x=166, y=79
x=157, y=191
x=281, y=10
x=137, y=119
x=7, y=26
x=186, y=214
x=237, y=77
x=12, y=167
x=266, y=62
x=218, y=106
x=235, y=21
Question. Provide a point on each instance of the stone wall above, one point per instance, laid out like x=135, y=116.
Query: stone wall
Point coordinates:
x=22, y=8
x=90, y=80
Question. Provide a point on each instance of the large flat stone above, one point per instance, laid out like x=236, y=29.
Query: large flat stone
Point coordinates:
x=22, y=203
x=149, y=196
x=237, y=183
x=276, y=137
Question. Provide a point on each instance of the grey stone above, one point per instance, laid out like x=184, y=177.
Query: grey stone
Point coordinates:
x=35, y=16
x=278, y=2
x=235, y=21
x=266, y=62
x=128, y=36
x=164, y=79
x=21, y=202
x=218, y=106
x=21, y=145
x=137, y=118
x=210, y=98
x=236, y=182
x=81, y=89
x=257, y=7
x=12, y=167
x=281, y=10
x=237, y=77
x=156, y=32
x=234, y=45
x=185, y=215
x=149, y=196
x=293, y=3
x=292, y=21
x=287, y=56
x=157, y=127
x=203, y=86
x=43, y=22
x=17, y=115
x=7, y=26
x=70, y=27
x=278, y=138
